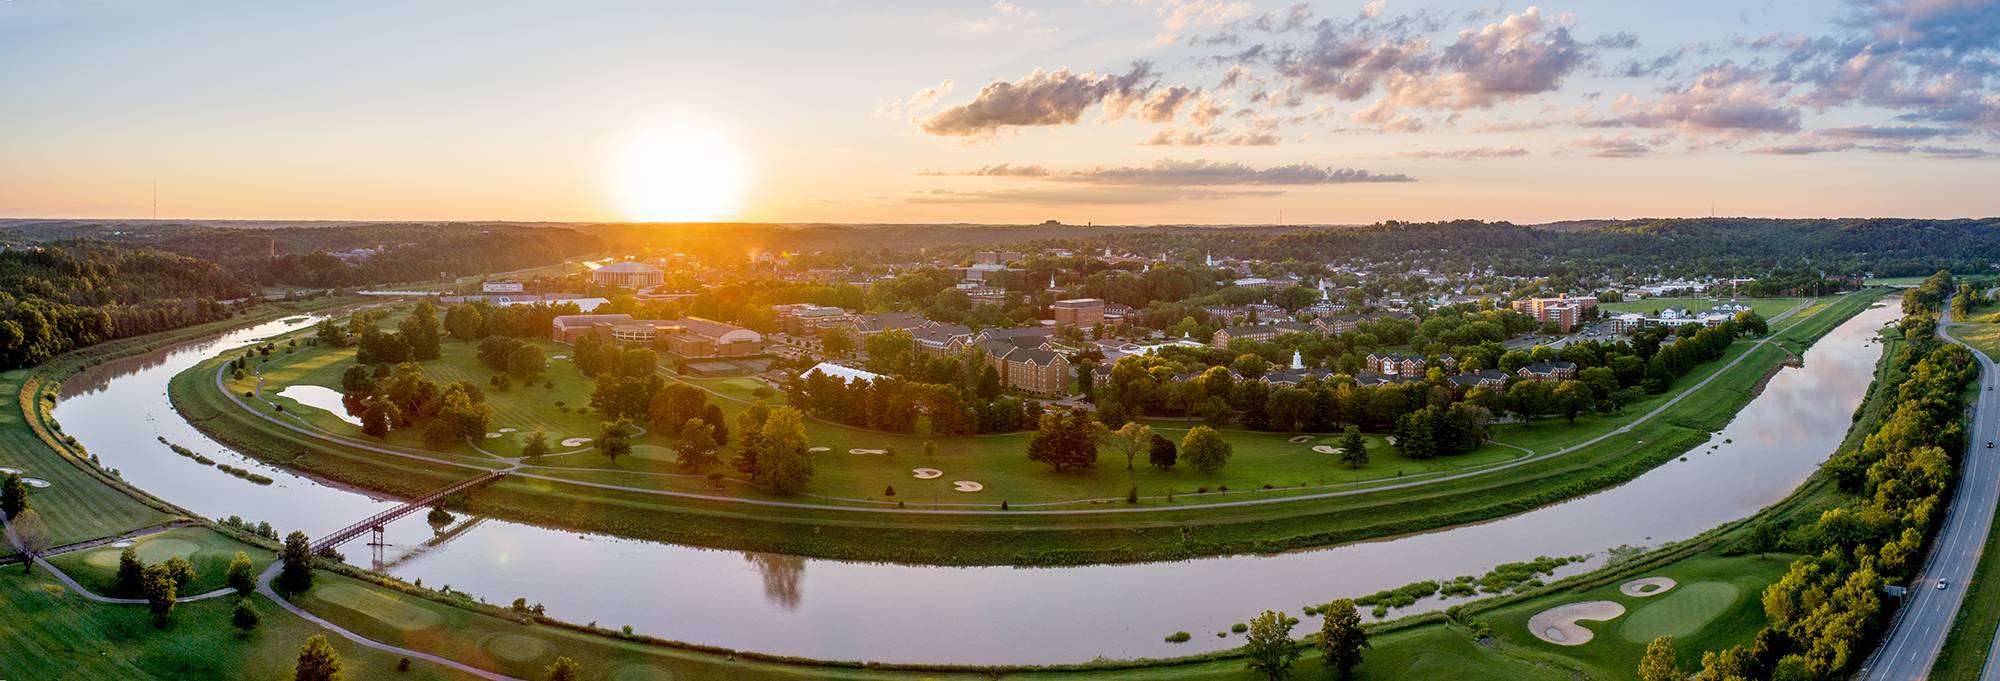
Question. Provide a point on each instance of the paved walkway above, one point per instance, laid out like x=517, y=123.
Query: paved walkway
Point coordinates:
x=263, y=587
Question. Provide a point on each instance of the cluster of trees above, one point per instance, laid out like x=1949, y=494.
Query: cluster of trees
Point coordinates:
x=772, y=448
x=895, y=405
x=478, y=319
x=416, y=338
x=514, y=357
x=1610, y=375
x=75, y=293
x=404, y=251
x=1270, y=651
x=1828, y=606
x=404, y=398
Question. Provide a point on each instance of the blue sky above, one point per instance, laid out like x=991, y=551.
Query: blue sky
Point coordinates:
x=1137, y=111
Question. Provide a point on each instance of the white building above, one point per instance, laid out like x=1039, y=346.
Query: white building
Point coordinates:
x=502, y=287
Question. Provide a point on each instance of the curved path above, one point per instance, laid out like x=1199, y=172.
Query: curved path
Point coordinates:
x=522, y=470
x=263, y=587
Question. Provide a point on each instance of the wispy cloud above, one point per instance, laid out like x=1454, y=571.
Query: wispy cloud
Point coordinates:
x=1176, y=173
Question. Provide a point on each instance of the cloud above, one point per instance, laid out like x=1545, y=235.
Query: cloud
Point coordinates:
x=1475, y=153
x=917, y=102
x=1892, y=132
x=1809, y=147
x=1041, y=98
x=1174, y=137
x=1725, y=100
x=1618, y=147
x=1072, y=196
x=1177, y=173
x=1932, y=60
x=1165, y=104
x=1180, y=15
x=1518, y=56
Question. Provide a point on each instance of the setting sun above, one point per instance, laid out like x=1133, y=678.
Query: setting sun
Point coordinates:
x=678, y=174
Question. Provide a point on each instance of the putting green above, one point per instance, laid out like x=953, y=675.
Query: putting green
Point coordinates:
x=1682, y=611
x=151, y=550
x=640, y=672
x=515, y=647
x=381, y=605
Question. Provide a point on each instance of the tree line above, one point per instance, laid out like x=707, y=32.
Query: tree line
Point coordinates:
x=70, y=294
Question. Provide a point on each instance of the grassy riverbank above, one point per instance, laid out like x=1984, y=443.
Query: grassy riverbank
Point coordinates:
x=60, y=635
x=1185, y=526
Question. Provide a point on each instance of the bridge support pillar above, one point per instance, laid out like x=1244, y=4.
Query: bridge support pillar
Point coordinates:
x=376, y=542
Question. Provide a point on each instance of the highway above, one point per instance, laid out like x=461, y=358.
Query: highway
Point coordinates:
x=1919, y=630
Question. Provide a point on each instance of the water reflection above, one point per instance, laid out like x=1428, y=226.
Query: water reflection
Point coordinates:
x=846, y=610
x=783, y=577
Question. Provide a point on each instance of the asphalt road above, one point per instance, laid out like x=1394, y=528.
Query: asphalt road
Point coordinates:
x=1918, y=633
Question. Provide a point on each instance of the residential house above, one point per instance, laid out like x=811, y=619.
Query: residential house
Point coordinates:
x=1549, y=371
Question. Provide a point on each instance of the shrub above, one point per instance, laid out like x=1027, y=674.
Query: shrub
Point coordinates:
x=1179, y=637
x=1239, y=628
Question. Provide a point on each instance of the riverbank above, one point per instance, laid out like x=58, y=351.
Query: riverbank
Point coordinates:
x=635, y=501
x=1427, y=645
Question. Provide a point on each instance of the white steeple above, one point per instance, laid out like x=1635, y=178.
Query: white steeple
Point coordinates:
x=1297, y=361
x=1052, y=281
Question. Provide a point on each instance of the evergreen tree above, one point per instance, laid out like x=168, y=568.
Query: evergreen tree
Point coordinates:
x=131, y=582
x=13, y=496
x=297, y=574
x=1162, y=453
x=244, y=617
x=1354, y=448
x=317, y=661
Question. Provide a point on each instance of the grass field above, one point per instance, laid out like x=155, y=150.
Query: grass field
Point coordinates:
x=1181, y=529
x=45, y=634
x=209, y=551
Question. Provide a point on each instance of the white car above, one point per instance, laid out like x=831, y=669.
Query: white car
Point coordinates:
x=1940, y=583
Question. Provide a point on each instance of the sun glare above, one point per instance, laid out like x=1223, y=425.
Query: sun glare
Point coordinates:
x=679, y=174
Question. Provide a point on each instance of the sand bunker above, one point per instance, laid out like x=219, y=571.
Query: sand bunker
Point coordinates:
x=966, y=486
x=817, y=450
x=35, y=482
x=859, y=450
x=575, y=441
x=506, y=430
x=120, y=544
x=1327, y=449
x=494, y=436
x=926, y=473
x=9, y=471
x=1558, y=625
x=1302, y=439
x=1649, y=586
x=558, y=356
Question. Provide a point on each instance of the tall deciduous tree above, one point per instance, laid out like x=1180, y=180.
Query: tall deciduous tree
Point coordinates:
x=1268, y=648
x=696, y=448
x=1132, y=437
x=614, y=438
x=1205, y=450
x=161, y=592
x=1660, y=662
x=537, y=445
x=784, y=465
x=131, y=582
x=34, y=536
x=1341, y=638
x=420, y=331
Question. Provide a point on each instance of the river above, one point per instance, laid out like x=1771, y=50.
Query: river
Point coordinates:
x=975, y=615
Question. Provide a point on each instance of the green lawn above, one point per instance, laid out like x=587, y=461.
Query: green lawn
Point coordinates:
x=48, y=633
x=998, y=462
x=1766, y=307
x=1181, y=527
x=1714, y=605
x=209, y=551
